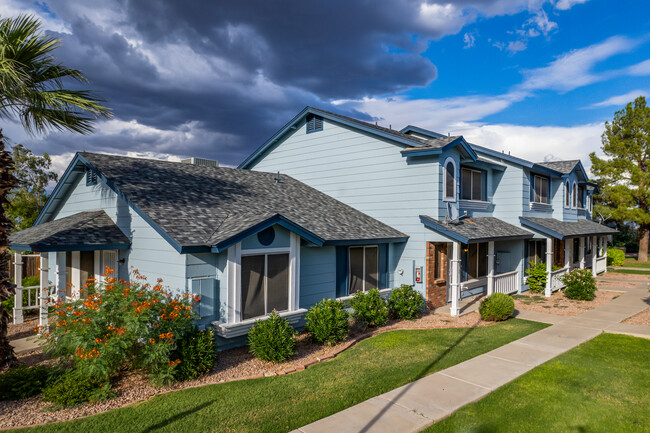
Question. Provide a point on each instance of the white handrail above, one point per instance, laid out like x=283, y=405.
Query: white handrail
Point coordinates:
x=556, y=278
x=601, y=264
x=507, y=282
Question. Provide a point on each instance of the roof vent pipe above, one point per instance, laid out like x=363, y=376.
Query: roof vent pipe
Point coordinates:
x=277, y=177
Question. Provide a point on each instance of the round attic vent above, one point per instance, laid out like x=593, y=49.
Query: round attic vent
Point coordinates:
x=266, y=236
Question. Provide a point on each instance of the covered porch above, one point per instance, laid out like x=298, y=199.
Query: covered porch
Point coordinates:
x=72, y=250
x=484, y=256
x=578, y=245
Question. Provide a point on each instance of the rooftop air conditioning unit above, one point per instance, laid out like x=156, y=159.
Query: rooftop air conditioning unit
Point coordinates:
x=201, y=161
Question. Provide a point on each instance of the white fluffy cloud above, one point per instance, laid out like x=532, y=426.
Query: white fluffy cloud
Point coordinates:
x=620, y=99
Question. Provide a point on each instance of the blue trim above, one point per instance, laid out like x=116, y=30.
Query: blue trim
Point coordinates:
x=382, y=254
x=421, y=131
x=438, y=227
x=341, y=271
x=359, y=125
x=310, y=124
x=353, y=242
x=84, y=247
x=425, y=151
x=57, y=189
x=516, y=160
x=276, y=219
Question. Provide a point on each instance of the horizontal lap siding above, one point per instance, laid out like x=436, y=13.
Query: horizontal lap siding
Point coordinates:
x=317, y=275
x=150, y=253
x=211, y=265
x=509, y=194
x=368, y=174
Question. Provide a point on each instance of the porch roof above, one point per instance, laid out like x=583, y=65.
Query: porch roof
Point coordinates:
x=84, y=231
x=475, y=230
x=565, y=229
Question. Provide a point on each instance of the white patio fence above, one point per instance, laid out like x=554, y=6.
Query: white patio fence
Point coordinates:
x=507, y=283
x=36, y=297
x=601, y=264
x=556, y=279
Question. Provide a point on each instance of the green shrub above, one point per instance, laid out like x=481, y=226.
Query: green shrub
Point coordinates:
x=496, y=307
x=272, y=339
x=22, y=381
x=405, y=303
x=615, y=257
x=327, y=322
x=196, y=352
x=536, y=277
x=74, y=388
x=121, y=325
x=580, y=284
x=31, y=281
x=369, y=307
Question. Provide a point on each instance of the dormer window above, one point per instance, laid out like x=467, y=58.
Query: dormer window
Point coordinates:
x=91, y=177
x=450, y=180
x=314, y=123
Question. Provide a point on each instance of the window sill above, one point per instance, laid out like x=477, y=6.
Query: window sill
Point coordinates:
x=474, y=204
x=230, y=330
x=384, y=293
x=542, y=207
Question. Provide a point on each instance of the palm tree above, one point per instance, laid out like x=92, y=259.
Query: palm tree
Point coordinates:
x=32, y=90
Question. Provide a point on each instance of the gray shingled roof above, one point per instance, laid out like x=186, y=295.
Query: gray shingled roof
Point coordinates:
x=565, y=229
x=564, y=167
x=479, y=229
x=84, y=230
x=203, y=206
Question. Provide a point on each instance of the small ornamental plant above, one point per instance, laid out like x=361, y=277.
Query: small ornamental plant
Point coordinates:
x=120, y=325
x=327, y=322
x=536, y=277
x=272, y=339
x=369, y=307
x=615, y=257
x=496, y=307
x=580, y=285
x=405, y=303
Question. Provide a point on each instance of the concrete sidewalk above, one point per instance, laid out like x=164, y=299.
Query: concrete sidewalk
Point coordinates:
x=419, y=404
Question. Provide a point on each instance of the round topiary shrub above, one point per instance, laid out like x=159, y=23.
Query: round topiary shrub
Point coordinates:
x=405, y=303
x=615, y=257
x=327, y=322
x=496, y=307
x=272, y=339
x=196, y=352
x=369, y=307
x=580, y=285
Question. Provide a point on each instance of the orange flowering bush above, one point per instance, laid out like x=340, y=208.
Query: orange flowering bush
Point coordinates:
x=120, y=325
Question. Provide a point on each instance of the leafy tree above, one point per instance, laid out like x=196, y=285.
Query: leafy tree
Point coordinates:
x=33, y=175
x=32, y=90
x=623, y=175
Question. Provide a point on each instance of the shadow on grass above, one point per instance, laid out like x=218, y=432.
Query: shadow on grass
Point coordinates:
x=177, y=417
x=420, y=375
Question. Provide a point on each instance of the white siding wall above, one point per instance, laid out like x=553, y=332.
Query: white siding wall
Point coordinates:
x=150, y=254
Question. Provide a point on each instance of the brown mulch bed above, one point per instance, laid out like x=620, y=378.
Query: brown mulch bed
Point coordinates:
x=622, y=276
x=232, y=364
x=559, y=304
x=642, y=318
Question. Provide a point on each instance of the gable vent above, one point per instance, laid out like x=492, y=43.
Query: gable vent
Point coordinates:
x=91, y=177
x=201, y=161
x=314, y=123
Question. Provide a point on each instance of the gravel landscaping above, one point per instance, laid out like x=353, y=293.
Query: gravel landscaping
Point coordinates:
x=642, y=318
x=233, y=364
x=559, y=304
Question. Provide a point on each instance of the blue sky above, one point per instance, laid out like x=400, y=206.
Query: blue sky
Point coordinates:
x=537, y=78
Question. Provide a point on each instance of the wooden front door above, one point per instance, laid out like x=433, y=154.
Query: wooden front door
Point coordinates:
x=436, y=274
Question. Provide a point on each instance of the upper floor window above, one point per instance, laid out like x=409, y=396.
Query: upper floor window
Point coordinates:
x=574, y=192
x=450, y=180
x=314, y=123
x=471, y=184
x=567, y=195
x=540, y=189
x=581, y=197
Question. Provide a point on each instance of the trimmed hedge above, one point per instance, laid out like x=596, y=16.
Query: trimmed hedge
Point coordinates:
x=273, y=339
x=496, y=307
x=615, y=257
x=327, y=322
x=369, y=307
x=580, y=285
x=405, y=303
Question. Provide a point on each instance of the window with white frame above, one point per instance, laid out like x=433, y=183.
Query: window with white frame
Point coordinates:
x=581, y=197
x=364, y=269
x=476, y=259
x=540, y=193
x=536, y=251
x=264, y=284
x=450, y=180
x=205, y=288
x=471, y=184
x=574, y=192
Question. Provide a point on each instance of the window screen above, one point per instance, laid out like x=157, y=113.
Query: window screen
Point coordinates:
x=541, y=189
x=277, y=290
x=364, y=269
x=252, y=286
x=264, y=284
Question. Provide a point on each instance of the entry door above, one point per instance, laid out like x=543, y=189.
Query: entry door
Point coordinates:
x=437, y=293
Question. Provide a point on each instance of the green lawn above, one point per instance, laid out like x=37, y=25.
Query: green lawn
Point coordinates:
x=630, y=271
x=601, y=386
x=283, y=403
x=632, y=263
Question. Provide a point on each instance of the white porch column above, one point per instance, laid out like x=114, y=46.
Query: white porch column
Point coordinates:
x=594, y=254
x=294, y=269
x=233, y=276
x=455, y=278
x=604, y=240
x=59, y=281
x=75, y=273
x=581, y=253
x=490, y=268
x=548, y=290
x=45, y=292
x=18, y=297
x=567, y=253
